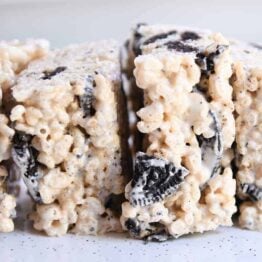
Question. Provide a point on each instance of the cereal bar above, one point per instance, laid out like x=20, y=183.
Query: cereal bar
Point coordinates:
x=183, y=182
x=71, y=139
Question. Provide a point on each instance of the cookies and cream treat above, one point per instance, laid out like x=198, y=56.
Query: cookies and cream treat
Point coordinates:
x=71, y=138
x=183, y=182
x=247, y=84
x=14, y=57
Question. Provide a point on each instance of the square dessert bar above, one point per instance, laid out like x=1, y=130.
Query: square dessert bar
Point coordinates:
x=183, y=182
x=71, y=138
x=247, y=84
x=14, y=57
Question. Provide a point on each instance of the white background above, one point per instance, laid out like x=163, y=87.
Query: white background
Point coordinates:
x=64, y=22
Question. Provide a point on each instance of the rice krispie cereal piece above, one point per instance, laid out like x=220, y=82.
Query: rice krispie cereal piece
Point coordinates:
x=247, y=84
x=71, y=139
x=183, y=182
x=14, y=57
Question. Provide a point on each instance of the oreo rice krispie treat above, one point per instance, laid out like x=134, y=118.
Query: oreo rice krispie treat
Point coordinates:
x=14, y=57
x=71, y=139
x=183, y=182
x=247, y=84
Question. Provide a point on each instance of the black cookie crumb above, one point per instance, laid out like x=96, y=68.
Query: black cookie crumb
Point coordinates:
x=207, y=61
x=25, y=157
x=133, y=227
x=188, y=35
x=137, y=40
x=50, y=74
x=114, y=203
x=86, y=100
x=160, y=236
x=212, y=148
x=158, y=37
x=253, y=191
x=258, y=46
x=180, y=47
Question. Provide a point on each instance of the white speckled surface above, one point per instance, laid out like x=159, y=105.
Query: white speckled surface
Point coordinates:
x=224, y=245
x=227, y=244
x=27, y=245
x=65, y=21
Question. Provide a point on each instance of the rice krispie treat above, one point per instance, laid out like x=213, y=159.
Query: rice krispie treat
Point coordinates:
x=14, y=57
x=247, y=84
x=71, y=139
x=183, y=182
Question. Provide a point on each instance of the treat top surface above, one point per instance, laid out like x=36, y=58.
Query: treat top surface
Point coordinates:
x=28, y=44
x=155, y=38
x=71, y=65
x=247, y=53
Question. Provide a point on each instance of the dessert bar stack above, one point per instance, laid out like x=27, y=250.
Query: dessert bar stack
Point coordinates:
x=197, y=145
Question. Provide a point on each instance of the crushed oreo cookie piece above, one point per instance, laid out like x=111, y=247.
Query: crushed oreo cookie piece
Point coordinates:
x=189, y=35
x=133, y=227
x=180, y=47
x=236, y=160
x=49, y=74
x=86, y=100
x=257, y=46
x=154, y=231
x=200, y=90
x=25, y=157
x=154, y=38
x=253, y=191
x=137, y=40
x=206, y=62
x=154, y=180
x=114, y=202
x=212, y=148
x=158, y=237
